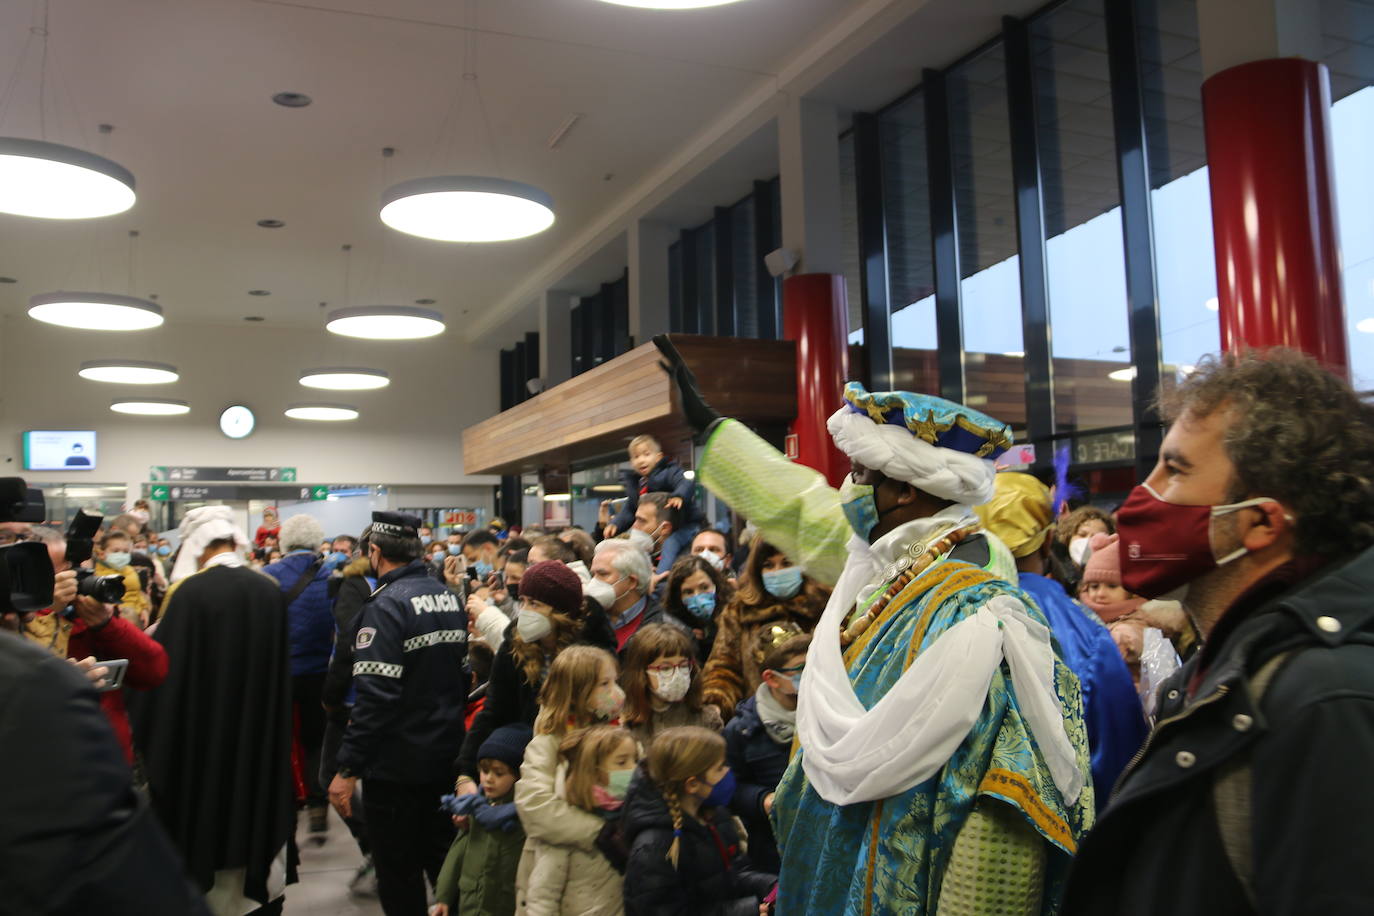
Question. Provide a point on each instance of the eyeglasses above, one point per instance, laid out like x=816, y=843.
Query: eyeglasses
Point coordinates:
x=665, y=669
x=794, y=670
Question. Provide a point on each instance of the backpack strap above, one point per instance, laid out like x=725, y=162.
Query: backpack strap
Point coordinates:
x=1231, y=790
x=306, y=578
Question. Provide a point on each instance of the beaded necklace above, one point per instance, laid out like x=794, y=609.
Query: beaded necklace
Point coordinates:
x=918, y=558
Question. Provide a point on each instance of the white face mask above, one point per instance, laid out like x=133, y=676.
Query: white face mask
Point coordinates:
x=673, y=684
x=640, y=539
x=716, y=560
x=532, y=625
x=603, y=593
x=1079, y=550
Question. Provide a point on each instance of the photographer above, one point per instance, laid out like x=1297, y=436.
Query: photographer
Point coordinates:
x=84, y=627
x=74, y=835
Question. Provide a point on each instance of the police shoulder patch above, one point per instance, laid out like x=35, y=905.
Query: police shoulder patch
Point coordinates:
x=365, y=637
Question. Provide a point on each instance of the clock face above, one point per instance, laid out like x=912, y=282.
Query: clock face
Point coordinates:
x=236, y=422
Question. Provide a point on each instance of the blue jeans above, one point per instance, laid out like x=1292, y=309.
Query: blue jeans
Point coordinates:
x=677, y=544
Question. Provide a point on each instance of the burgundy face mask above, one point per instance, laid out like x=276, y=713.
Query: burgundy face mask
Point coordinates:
x=1165, y=545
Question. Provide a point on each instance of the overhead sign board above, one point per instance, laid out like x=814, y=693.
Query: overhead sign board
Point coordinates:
x=175, y=492
x=241, y=475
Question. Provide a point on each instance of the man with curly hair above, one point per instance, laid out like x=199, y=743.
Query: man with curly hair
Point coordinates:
x=1250, y=794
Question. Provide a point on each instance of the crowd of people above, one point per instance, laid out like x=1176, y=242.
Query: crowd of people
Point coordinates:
x=935, y=689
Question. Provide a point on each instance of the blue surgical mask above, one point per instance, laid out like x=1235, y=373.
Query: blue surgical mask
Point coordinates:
x=860, y=507
x=164, y=551
x=337, y=558
x=796, y=682
x=425, y=539
x=483, y=568
x=454, y=550
x=783, y=583
x=117, y=559
x=722, y=792
x=618, y=785
x=702, y=605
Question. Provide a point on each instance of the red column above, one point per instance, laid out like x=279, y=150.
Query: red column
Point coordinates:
x=1274, y=208
x=815, y=315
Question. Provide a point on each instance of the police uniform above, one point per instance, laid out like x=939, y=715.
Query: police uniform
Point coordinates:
x=406, y=725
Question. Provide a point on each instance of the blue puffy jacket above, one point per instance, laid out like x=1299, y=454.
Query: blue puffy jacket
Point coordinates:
x=310, y=618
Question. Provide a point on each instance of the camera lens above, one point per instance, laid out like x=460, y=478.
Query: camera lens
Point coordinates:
x=105, y=589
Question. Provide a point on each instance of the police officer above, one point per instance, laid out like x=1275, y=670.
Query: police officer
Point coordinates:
x=407, y=723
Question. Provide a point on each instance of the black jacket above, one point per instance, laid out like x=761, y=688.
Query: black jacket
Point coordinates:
x=713, y=876
x=74, y=835
x=666, y=477
x=1309, y=748
x=349, y=592
x=758, y=763
x=510, y=698
x=411, y=684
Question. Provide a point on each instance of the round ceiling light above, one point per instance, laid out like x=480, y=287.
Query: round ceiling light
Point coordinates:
x=671, y=4
x=385, y=322
x=326, y=412
x=128, y=372
x=345, y=379
x=95, y=311
x=456, y=208
x=150, y=407
x=52, y=181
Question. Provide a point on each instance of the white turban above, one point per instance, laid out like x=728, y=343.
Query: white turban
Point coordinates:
x=198, y=530
x=897, y=453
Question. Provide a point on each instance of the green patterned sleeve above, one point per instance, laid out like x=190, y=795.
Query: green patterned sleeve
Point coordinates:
x=792, y=505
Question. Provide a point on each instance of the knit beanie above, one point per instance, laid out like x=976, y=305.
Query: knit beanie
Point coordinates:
x=1104, y=563
x=507, y=744
x=553, y=583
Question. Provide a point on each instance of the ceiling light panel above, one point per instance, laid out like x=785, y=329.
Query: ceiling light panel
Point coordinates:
x=457, y=208
x=329, y=413
x=385, y=322
x=95, y=311
x=128, y=372
x=151, y=407
x=344, y=379
x=52, y=181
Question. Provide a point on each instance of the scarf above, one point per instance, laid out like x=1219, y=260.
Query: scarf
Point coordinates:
x=853, y=754
x=779, y=721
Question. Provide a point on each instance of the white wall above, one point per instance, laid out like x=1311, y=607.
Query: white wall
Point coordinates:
x=408, y=434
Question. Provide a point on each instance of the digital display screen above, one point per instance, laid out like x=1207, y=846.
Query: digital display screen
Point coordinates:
x=59, y=450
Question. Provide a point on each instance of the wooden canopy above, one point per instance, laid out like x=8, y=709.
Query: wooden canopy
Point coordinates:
x=596, y=413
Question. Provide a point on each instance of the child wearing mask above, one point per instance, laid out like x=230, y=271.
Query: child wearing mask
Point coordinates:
x=685, y=854
x=758, y=744
x=654, y=473
x=662, y=686
x=478, y=878
x=581, y=691
x=775, y=597
x=1128, y=616
x=555, y=878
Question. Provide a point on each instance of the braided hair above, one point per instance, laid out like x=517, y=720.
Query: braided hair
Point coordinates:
x=677, y=755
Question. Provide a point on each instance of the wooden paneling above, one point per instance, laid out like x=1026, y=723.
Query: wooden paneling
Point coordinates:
x=597, y=412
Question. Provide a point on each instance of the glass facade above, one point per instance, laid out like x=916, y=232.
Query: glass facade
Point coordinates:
x=985, y=214
x=1081, y=197
x=717, y=280
x=910, y=265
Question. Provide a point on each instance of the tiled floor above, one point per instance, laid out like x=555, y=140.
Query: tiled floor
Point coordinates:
x=325, y=872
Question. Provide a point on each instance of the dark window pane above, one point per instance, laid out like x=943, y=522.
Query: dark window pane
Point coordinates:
x=1085, y=255
x=1180, y=199
x=849, y=238
x=988, y=259
x=910, y=273
x=748, y=261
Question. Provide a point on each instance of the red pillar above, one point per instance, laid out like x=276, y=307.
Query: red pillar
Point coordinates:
x=1274, y=208
x=815, y=315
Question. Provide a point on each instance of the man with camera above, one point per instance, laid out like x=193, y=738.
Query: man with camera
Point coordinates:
x=74, y=835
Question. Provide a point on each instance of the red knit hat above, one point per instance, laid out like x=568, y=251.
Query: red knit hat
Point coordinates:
x=553, y=583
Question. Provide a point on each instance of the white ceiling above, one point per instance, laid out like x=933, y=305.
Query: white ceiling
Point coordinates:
x=187, y=85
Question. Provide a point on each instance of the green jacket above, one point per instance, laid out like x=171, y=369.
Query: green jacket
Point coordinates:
x=478, y=878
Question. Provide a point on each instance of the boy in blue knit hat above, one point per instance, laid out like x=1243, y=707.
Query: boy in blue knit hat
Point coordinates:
x=478, y=878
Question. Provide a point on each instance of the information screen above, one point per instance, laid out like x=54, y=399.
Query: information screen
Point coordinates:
x=59, y=450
